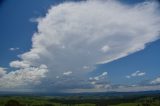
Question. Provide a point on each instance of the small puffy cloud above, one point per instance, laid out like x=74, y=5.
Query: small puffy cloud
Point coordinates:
x=136, y=74
x=86, y=67
x=13, y=49
x=155, y=81
x=104, y=74
x=67, y=73
x=100, y=81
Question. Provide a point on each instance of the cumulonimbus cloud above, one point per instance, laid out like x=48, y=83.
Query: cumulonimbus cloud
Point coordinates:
x=2, y=72
x=75, y=36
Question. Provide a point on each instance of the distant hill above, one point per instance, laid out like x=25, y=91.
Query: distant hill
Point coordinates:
x=99, y=94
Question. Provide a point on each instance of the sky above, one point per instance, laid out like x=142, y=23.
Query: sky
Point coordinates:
x=79, y=45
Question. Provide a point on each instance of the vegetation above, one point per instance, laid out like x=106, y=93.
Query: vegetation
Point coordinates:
x=143, y=100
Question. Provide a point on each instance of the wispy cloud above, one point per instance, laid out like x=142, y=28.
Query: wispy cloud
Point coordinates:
x=136, y=74
x=13, y=49
x=67, y=73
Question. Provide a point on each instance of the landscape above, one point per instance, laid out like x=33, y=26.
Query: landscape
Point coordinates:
x=79, y=52
x=147, y=98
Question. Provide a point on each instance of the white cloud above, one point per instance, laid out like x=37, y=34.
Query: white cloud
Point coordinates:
x=156, y=81
x=100, y=81
x=104, y=73
x=19, y=64
x=23, y=77
x=13, y=49
x=141, y=74
x=2, y=71
x=77, y=34
x=136, y=74
x=102, y=76
x=67, y=73
x=105, y=48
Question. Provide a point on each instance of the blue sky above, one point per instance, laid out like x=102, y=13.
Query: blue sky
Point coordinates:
x=146, y=60
x=19, y=13
x=18, y=24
